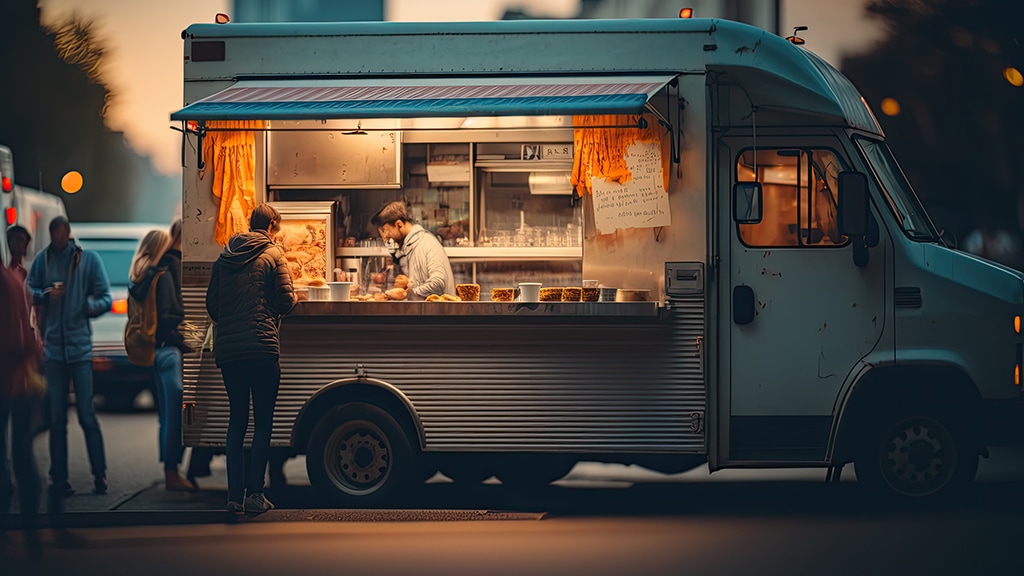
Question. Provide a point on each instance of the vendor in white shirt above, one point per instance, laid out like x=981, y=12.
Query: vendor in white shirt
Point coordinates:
x=419, y=256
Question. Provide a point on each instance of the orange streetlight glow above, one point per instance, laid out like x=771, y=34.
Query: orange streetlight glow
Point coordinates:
x=890, y=107
x=1013, y=76
x=71, y=182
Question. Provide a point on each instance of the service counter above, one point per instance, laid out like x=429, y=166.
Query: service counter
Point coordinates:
x=477, y=312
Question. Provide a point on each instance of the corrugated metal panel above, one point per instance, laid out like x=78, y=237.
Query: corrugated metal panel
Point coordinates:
x=480, y=387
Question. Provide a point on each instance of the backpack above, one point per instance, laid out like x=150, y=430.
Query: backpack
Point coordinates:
x=140, y=330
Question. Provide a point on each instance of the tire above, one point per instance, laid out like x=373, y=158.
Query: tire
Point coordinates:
x=359, y=456
x=917, y=455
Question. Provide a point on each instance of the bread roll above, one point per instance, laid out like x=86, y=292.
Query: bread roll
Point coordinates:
x=397, y=294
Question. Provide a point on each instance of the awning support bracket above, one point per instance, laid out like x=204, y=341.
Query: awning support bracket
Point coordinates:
x=667, y=122
x=200, y=132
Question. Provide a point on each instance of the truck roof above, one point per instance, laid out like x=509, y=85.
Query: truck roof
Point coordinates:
x=774, y=73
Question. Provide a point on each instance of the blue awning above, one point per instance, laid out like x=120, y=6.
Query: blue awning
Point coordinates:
x=433, y=97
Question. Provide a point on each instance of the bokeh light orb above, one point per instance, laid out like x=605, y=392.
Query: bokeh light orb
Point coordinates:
x=1013, y=76
x=890, y=107
x=71, y=182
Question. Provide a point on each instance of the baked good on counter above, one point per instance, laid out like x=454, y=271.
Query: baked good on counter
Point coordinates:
x=402, y=281
x=443, y=298
x=502, y=294
x=468, y=292
x=571, y=294
x=396, y=294
x=590, y=294
x=553, y=294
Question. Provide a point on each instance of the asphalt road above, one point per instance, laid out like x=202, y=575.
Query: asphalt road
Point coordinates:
x=601, y=519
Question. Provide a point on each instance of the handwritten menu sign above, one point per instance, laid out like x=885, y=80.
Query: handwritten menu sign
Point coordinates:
x=639, y=203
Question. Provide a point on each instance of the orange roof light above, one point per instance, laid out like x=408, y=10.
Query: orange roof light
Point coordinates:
x=1016, y=324
x=686, y=13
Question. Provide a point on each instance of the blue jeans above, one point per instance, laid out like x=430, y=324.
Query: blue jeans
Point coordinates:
x=19, y=412
x=260, y=379
x=167, y=370
x=58, y=377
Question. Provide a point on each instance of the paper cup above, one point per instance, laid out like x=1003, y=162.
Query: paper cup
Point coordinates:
x=529, y=291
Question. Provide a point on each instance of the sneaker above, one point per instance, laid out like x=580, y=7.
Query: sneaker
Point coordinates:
x=257, y=503
x=100, y=485
x=235, y=507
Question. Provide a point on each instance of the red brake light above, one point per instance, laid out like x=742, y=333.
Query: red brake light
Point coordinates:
x=7, y=184
x=11, y=214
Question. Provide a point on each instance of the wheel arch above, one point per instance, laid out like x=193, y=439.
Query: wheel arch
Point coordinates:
x=939, y=385
x=350, y=390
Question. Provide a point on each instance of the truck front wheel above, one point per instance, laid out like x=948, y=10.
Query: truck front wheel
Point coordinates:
x=920, y=454
x=359, y=456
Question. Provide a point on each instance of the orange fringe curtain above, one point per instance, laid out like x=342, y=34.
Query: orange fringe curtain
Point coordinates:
x=231, y=155
x=600, y=151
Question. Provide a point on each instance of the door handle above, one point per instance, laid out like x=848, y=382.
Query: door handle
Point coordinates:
x=742, y=304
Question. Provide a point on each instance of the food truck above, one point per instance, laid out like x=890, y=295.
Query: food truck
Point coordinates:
x=770, y=292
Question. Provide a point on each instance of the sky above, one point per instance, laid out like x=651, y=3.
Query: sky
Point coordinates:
x=144, y=64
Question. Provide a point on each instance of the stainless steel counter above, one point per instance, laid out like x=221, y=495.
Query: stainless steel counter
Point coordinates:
x=573, y=310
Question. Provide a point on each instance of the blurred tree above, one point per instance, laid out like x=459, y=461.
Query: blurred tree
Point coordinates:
x=51, y=112
x=959, y=127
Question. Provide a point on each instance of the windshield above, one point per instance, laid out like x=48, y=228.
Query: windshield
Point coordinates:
x=116, y=255
x=901, y=198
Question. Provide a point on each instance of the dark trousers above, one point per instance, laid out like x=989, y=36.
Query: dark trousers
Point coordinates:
x=58, y=377
x=19, y=412
x=258, y=380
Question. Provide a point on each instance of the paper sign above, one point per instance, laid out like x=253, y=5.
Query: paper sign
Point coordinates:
x=640, y=203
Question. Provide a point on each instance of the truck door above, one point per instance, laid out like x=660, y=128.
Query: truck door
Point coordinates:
x=796, y=315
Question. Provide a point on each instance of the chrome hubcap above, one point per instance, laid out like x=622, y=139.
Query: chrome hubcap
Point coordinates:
x=918, y=457
x=358, y=458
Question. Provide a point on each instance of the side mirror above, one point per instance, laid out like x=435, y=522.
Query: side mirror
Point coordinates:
x=853, y=204
x=853, y=213
x=746, y=202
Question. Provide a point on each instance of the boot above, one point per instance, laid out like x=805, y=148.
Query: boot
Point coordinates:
x=174, y=482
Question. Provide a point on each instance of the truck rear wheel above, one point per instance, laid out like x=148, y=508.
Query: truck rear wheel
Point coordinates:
x=359, y=456
x=917, y=454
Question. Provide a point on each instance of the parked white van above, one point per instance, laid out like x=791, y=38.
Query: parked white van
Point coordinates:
x=115, y=379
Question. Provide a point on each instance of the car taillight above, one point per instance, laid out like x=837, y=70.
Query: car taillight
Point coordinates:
x=119, y=307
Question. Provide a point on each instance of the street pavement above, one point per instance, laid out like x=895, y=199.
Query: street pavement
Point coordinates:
x=137, y=496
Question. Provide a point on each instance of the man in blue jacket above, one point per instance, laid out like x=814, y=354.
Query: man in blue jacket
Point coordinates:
x=72, y=287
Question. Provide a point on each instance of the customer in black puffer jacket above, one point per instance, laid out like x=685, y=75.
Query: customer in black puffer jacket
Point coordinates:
x=250, y=290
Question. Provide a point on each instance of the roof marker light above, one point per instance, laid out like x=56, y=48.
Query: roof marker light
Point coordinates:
x=796, y=39
x=686, y=13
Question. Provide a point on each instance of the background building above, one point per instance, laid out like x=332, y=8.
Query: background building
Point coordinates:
x=307, y=10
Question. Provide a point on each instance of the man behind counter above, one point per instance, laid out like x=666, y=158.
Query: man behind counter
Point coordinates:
x=420, y=255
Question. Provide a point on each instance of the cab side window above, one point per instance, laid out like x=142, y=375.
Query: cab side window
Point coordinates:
x=799, y=197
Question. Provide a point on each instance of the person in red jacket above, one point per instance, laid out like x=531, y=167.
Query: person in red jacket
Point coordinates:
x=250, y=291
x=20, y=387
